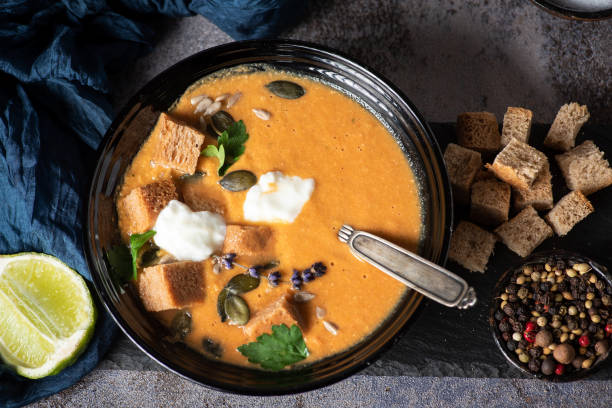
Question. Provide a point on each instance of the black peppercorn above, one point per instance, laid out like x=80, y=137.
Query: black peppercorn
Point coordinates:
x=534, y=365
x=523, y=343
x=553, y=310
x=535, y=352
x=548, y=366
x=592, y=328
x=571, y=324
x=517, y=327
x=562, y=286
x=508, y=309
x=512, y=297
x=503, y=326
x=499, y=315
x=511, y=345
x=512, y=288
x=584, y=324
x=506, y=336
x=596, y=302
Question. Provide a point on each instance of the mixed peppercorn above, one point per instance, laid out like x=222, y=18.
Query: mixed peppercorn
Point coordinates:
x=556, y=316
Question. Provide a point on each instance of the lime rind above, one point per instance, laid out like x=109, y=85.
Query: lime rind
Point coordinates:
x=66, y=346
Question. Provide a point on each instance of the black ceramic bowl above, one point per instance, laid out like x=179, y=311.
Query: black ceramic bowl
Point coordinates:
x=574, y=11
x=133, y=125
x=543, y=257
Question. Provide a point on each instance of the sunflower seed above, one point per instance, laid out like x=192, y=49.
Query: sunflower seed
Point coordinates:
x=233, y=99
x=203, y=105
x=320, y=312
x=332, y=328
x=303, y=297
x=222, y=97
x=262, y=114
x=213, y=108
x=197, y=99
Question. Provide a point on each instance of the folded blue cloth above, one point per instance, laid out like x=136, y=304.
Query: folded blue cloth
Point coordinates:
x=54, y=59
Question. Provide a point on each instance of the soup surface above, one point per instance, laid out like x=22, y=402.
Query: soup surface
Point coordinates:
x=361, y=178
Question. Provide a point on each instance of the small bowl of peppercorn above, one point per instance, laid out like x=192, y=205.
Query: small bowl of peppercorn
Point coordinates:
x=551, y=316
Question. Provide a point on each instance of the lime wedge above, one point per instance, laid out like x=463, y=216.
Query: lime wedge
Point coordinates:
x=47, y=315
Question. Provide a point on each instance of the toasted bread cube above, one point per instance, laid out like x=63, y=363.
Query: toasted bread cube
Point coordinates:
x=178, y=145
x=585, y=169
x=564, y=129
x=471, y=246
x=462, y=165
x=525, y=232
x=490, y=202
x=539, y=196
x=171, y=286
x=517, y=125
x=282, y=311
x=484, y=174
x=247, y=240
x=479, y=131
x=569, y=211
x=139, y=209
x=518, y=164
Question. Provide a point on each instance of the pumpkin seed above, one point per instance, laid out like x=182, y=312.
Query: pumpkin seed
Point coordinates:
x=237, y=310
x=180, y=326
x=269, y=265
x=238, y=180
x=242, y=283
x=221, y=304
x=212, y=347
x=147, y=255
x=303, y=297
x=286, y=89
x=220, y=121
x=192, y=177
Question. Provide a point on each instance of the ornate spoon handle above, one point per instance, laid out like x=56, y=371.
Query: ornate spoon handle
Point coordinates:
x=415, y=272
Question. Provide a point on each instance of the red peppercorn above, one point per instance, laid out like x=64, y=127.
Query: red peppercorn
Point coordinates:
x=584, y=341
x=529, y=336
x=560, y=369
x=609, y=328
x=530, y=326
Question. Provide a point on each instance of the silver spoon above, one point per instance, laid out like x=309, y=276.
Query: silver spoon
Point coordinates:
x=413, y=271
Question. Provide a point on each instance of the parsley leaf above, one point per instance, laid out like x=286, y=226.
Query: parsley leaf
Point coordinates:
x=136, y=242
x=274, y=351
x=230, y=146
x=120, y=262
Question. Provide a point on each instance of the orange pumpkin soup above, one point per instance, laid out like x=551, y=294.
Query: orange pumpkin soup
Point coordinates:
x=361, y=177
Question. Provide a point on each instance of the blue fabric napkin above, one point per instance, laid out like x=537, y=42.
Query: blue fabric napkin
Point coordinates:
x=54, y=59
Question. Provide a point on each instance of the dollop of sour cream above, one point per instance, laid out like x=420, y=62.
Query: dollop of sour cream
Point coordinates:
x=277, y=198
x=188, y=235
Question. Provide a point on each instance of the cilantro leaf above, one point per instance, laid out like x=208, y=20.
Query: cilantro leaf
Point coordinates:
x=136, y=242
x=230, y=146
x=274, y=351
x=120, y=262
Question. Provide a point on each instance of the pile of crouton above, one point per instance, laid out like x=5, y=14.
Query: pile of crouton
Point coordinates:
x=519, y=174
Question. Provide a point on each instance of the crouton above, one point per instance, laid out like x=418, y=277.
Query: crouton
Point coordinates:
x=562, y=133
x=139, y=209
x=282, y=311
x=539, y=196
x=179, y=145
x=484, y=174
x=171, y=286
x=490, y=202
x=585, y=169
x=518, y=164
x=517, y=125
x=479, y=131
x=525, y=232
x=471, y=246
x=247, y=240
x=461, y=165
x=569, y=211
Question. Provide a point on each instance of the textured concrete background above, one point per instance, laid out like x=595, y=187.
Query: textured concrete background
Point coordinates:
x=448, y=56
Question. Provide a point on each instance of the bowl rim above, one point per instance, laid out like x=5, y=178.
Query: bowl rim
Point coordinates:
x=570, y=14
x=601, y=270
x=318, y=383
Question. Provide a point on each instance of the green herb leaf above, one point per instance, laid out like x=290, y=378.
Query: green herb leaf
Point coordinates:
x=274, y=351
x=136, y=242
x=120, y=262
x=230, y=146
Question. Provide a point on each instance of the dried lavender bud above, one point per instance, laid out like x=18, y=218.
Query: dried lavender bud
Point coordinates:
x=253, y=272
x=318, y=269
x=307, y=276
x=227, y=260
